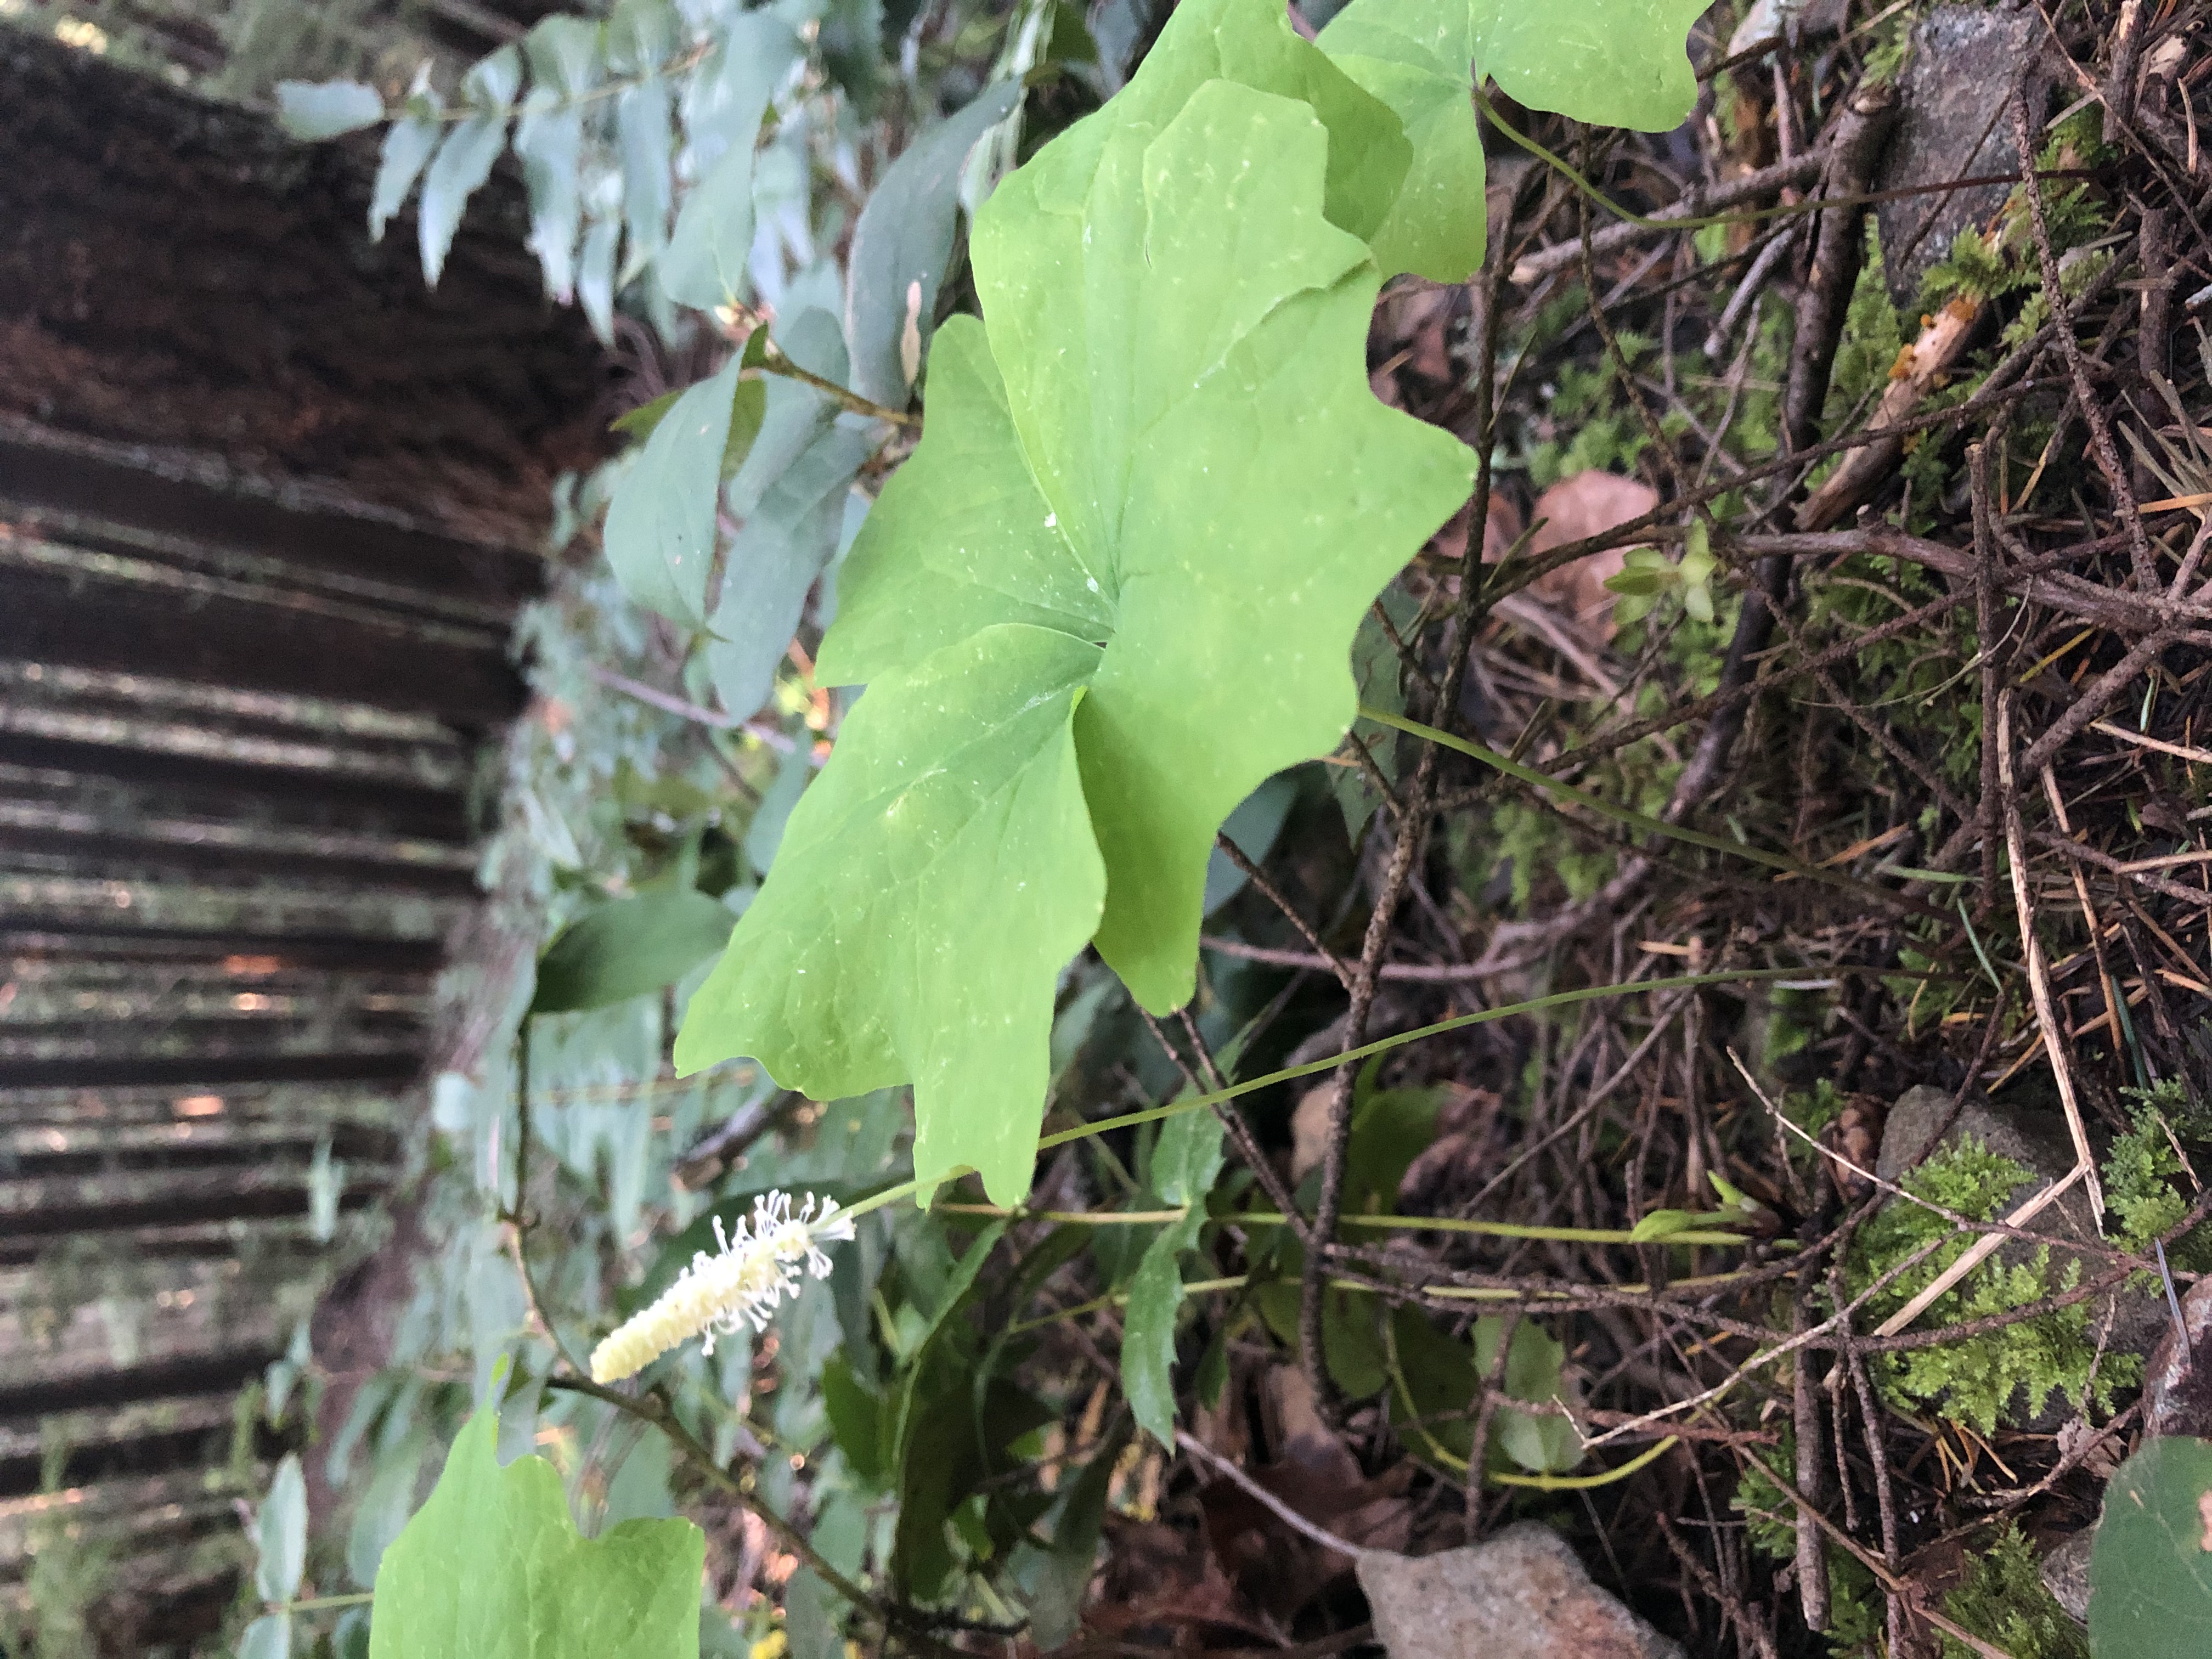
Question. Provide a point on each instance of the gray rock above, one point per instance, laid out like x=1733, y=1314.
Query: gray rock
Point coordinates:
x=2066, y=1574
x=1521, y=1594
x=2177, y=1378
x=1965, y=64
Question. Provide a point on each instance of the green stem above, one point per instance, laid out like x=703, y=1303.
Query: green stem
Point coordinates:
x=318, y=1603
x=1636, y=820
x=1383, y=1045
x=1068, y=1217
x=1499, y=1230
x=1584, y=1482
x=778, y=362
x=614, y=87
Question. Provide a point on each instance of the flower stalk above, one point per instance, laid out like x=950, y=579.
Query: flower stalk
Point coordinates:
x=758, y=1263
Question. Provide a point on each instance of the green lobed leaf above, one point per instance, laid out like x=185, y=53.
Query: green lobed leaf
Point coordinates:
x=627, y=947
x=949, y=780
x=1611, y=62
x=1166, y=302
x=1415, y=57
x=901, y=244
x=280, y=1533
x=309, y=110
x=2150, y=1574
x=492, y=1567
x=660, y=522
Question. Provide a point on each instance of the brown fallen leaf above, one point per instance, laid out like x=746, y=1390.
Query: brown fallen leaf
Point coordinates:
x=1589, y=503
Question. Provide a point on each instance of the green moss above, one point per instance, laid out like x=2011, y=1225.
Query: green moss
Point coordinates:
x=1979, y=1379
x=1856, y=1619
x=2144, y=1177
x=2005, y=1602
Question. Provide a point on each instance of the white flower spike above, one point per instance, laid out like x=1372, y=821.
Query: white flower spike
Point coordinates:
x=756, y=1266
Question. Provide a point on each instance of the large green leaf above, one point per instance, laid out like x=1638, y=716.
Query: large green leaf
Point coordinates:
x=901, y=244
x=2150, y=1575
x=627, y=947
x=1153, y=481
x=1612, y=63
x=492, y=1567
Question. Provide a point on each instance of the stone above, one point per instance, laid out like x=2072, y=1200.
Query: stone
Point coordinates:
x=2177, y=1378
x=1965, y=64
x=2066, y=1574
x=1521, y=1594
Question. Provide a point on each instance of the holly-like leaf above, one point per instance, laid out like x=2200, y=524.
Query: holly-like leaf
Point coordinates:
x=408, y=143
x=1611, y=62
x=324, y=109
x=281, y=1533
x=901, y=244
x=492, y=1567
x=627, y=947
x=464, y=159
x=660, y=522
x=1148, y=1329
x=1185, y=1161
x=2150, y=1573
x=1152, y=481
